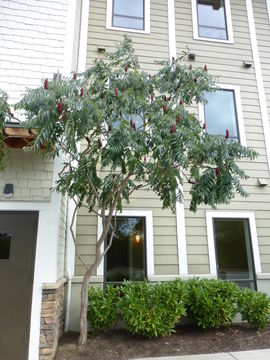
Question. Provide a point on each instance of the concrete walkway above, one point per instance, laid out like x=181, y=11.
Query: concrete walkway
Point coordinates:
x=240, y=355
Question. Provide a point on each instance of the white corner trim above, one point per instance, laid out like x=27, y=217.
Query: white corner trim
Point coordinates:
x=210, y=215
x=149, y=238
x=181, y=239
x=83, y=36
x=239, y=111
x=259, y=77
x=228, y=22
x=268, y=8
x=147, y=21
x=171, y=30
x=70, y=35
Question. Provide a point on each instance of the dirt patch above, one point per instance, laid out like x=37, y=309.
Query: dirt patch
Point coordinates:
x=120, y=345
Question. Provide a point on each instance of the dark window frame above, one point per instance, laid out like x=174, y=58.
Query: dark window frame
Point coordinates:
x=237, y=281
x=128, y=17
x=105, y=282
x=213, y=27
x=236, y=117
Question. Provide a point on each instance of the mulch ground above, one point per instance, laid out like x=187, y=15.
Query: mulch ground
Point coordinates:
x=120, y=345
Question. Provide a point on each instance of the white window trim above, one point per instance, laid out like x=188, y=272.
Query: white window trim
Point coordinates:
x=148, y=215
x=268, y=8
x=239, y=112
x=146, y=19
x=228, y=22
x=210, y=215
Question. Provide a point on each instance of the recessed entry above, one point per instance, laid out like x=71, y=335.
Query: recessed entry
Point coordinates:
x=5, y=242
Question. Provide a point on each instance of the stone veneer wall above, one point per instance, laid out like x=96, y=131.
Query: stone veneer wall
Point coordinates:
x=52, y=318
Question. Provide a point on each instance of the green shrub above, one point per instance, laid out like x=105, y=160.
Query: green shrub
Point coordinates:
x=151, y=309
x=255, y=308
x=102, y=307
x=212, y=303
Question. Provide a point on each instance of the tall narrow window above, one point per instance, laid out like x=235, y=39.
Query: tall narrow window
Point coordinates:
x=5, y=242
x=212, y=20
x=220, y=113
x=125, y=260
x=128, y=14
x=234, y=252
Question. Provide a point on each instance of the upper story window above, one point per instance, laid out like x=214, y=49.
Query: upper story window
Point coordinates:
x=212, y=20
x=223, y=111
x=128, y=15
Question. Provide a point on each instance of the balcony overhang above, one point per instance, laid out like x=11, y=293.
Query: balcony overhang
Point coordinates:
x=17, y=137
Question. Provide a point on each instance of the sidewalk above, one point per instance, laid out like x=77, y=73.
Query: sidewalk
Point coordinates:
x=240, y=355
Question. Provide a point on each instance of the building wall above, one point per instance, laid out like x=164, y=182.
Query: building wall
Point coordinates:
x=30, y=173
x=262, y=24
x=225, y=61
x=149, y=48
x=32, y=43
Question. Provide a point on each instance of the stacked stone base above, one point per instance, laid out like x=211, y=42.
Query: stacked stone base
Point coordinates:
x=52, y=318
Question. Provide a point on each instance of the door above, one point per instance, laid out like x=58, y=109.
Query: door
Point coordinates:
x=17, y=254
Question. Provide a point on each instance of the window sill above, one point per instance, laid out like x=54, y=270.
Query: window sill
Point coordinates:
x=128, y=30
x=214, y=40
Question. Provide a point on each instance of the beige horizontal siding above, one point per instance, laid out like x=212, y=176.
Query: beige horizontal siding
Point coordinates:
x=225, y=61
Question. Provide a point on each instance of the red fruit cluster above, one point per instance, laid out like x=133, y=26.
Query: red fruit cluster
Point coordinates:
x=131, y=122
x=178, y=119
x=181, y=103
x=150, y=76
x=144, y=159
x=205, y=68
x=204, y=126
x=75, y=76
x=173, y=58
x=126, y=68
x=217, y=171
x=116, y=91
x=164, y=108
x=152, y=98
x=59, y=107
x=172, y=128
x=195, y=79
x=227, y=134
x=190, y=67
x=46, y=84
x=82, y=92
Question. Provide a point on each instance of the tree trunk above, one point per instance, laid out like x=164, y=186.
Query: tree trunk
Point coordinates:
x=84, y=298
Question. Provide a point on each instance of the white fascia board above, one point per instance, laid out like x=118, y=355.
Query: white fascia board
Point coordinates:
x=210, y=215
x=83, y=38
x=171, y=30
x=259, y=78
x=70, y=36
x=149, y=238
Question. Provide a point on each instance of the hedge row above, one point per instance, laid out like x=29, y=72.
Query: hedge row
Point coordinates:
x=153, y=310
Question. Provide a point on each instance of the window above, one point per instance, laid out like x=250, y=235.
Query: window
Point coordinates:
x=125, y=259
x=212, y=20
x=140, y=223
x=233, y=251
x=233, y=247
x=5, y=242
x=223, y=111
x=128, y=15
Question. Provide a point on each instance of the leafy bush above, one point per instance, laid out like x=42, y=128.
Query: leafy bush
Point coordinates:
x=102, y=307
x=151, y=309
x=255, y=308
x=212, y=303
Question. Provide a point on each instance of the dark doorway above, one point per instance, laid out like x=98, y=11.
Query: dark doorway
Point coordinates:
x=18, y=232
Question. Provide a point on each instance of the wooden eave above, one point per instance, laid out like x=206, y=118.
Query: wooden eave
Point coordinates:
x=18, y=137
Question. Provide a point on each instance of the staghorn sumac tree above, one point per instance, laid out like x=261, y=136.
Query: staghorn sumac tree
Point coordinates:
x=137, y=132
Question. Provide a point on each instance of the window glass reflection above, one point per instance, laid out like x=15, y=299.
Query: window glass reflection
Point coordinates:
x=5, y=242
x=128, y=14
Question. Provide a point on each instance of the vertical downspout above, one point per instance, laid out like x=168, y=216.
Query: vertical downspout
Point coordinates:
x=80, y=66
